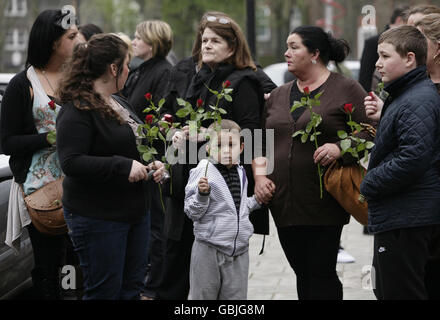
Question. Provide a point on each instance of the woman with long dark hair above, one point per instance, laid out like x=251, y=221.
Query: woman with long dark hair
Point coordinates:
x=29, y=109
x=105, y=199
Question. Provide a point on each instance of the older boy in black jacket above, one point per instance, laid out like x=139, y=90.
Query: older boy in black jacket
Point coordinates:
x=402, y=185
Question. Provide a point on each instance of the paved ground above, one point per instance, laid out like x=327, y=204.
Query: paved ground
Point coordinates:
x=271, y=278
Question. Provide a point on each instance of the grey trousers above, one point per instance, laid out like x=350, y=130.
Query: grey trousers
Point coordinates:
x=216, y=276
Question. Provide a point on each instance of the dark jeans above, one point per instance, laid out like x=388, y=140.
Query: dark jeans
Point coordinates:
x=312, y=253
x=401, y=258
x=113, y=256
x=176, y=265
x=49, y=257
x=157, y=244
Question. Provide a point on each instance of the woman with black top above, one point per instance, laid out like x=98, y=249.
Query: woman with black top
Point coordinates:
x=220, y=54
x=105, y=203
x=27, y=118
x=153, y=41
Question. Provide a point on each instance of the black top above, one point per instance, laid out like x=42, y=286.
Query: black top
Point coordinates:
x=152, y=76
x=96, y=155
x=19, y=136
x=232, y=179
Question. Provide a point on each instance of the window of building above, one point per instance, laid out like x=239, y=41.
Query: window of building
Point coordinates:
x=263, y=23
x=16, y=40
x=16, y=8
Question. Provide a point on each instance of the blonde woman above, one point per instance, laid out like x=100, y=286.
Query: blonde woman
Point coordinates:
x=152, y=42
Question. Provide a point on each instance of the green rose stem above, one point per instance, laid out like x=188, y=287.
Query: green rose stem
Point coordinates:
x=217, y=112
x=151, y=132
x=311, y=132
x=319, y=166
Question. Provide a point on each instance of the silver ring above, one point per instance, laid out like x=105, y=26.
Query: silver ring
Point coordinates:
x=328, y=157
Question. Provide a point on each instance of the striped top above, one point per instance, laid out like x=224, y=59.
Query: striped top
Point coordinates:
x=232, y=179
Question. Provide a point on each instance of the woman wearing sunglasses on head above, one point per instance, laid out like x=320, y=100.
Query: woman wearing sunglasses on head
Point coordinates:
x=220, y=54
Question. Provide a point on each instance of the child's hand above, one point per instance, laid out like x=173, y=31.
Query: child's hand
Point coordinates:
x=204, y=185
x=373, y=106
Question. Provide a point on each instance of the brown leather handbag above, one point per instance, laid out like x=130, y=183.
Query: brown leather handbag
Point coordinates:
x=46, y=208
x=343, y=183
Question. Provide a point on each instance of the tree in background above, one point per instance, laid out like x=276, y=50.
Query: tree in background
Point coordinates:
x=184, y=16
x=113, y=15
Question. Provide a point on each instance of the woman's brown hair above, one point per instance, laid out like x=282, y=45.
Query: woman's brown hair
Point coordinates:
x=89, y=62
x=229, y=30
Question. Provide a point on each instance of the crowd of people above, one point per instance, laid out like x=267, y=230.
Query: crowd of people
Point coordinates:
x=189, y=238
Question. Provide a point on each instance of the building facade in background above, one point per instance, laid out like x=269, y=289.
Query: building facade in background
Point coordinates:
x=17, y=17
x=275, y=19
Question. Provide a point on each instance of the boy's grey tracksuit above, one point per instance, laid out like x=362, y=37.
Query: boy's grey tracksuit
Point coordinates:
x=219, y=259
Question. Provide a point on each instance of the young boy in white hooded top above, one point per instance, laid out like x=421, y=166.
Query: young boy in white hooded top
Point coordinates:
x=216, y=200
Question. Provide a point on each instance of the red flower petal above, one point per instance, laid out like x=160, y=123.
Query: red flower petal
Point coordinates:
x=168, y=118
x=149, y=119
x=371, y=94
x=307, y=90
x=52, y=105
x=199, y=103
x=148, y=96
x=348, y=108
x=226, y=84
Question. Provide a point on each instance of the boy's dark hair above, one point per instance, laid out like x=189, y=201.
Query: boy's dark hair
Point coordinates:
x=46, y=30
x=399, y=12
x=407, y=39
x=89, y=30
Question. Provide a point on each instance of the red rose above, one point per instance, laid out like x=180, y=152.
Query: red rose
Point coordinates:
x=226, y=84
x=168, y=118
x=348, y=108
x=371, y=94
x=52, y=105
x=307, y=90
x=149, y=119
x=148, y=96
x=199, y=103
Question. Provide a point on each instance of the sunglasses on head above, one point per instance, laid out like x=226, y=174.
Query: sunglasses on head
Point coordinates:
x=219, y=20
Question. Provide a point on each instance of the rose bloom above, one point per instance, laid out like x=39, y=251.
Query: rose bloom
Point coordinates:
x=148, y=96
x=168, y=118
x=52, y=105
x=149, y=119
x=199, y=103
x=307, y=90
x=348, y=108
x=226, y=84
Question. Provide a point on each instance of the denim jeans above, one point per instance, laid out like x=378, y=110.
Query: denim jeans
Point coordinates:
x=113, y=256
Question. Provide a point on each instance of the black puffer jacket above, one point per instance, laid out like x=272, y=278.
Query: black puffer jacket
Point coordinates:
x=402, y=185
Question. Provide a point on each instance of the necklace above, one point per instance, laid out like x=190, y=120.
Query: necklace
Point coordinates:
x=50, y=85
